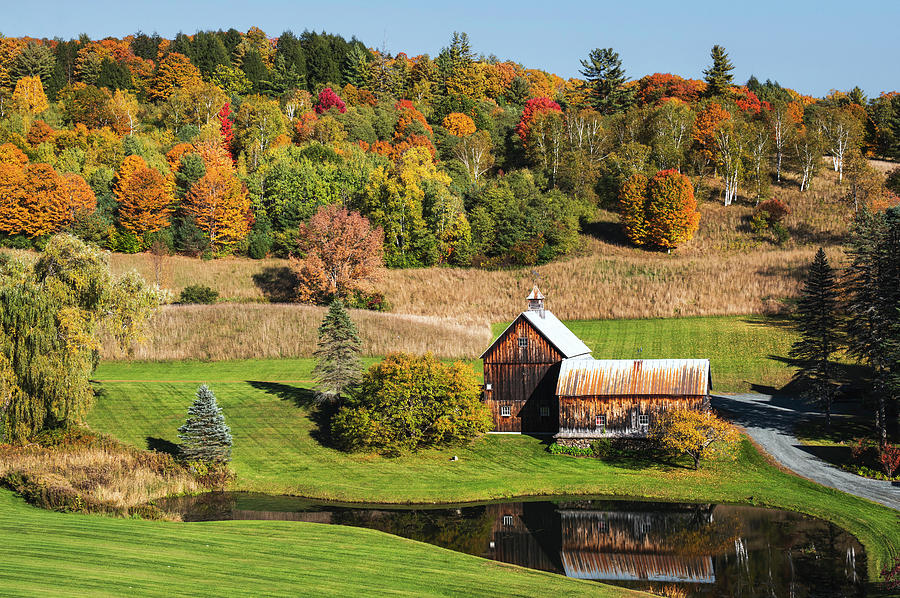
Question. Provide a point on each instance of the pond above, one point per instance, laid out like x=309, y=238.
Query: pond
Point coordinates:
x=703, y=550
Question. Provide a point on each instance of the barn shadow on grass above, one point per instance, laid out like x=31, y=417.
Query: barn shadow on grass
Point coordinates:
x=319, y=413
x=277, y=283
x=161, y=445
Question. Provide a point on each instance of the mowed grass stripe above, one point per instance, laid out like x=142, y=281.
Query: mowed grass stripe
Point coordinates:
x=77, y=555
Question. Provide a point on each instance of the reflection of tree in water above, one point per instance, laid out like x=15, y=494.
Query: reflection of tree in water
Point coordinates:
x=211, y=506
x=464, y=530
x=787, y=554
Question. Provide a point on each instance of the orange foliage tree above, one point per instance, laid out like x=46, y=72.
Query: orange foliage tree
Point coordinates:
x=10, y=154
x=173, y=158
x=661, y=212
x=341, y=252
x=705, y=127
x=219, y=203
x=37, y=201
x=39, y=132
x=458, y=124
x=672, y=213
x=145, y=200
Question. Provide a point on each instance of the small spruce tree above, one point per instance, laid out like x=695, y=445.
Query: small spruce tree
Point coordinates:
x=338, y=366
x=817, y=323
x=718, y=76
x=204, y=436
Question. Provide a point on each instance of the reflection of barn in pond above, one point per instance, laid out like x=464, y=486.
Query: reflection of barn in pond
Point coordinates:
x=630, y=546
x=584, y=540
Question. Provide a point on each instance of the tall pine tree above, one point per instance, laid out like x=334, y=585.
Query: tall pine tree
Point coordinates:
x=873, y=303
x=204, y=436
x=605, y=79
x=718, y=76
x=338, y=367
x=817, y=323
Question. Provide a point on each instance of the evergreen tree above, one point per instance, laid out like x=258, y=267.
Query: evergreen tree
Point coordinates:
x=718, y=76
x=873, y=304
x=209, y=52
x=146, y=46
x=290, y=61
x=356, y=66
x=204, y=436
x=114, y=75
x=338, y=367
x=606, y=80
x=255, y=69
x=817, y=324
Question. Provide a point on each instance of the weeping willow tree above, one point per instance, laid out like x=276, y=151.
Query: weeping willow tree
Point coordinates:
x=51, y=315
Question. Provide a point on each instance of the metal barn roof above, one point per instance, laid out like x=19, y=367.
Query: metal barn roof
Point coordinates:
x=553, y=330
x=604, y=377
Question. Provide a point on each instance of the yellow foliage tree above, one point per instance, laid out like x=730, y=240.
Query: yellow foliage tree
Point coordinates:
x=695, y=433
x=175, y=71
x=29, y=97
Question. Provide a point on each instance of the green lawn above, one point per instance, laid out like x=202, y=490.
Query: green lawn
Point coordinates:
x=742, y=350
x=61, y=554
x=276, y=451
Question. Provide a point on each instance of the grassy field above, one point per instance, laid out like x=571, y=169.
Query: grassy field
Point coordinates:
x=267, y=404
x=60, y=554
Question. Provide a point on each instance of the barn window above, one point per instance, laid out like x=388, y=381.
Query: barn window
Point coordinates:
x=600, y=422
x=545, y=411
x=643, y=420
x=523, y=342
x=507, y=520
x=505, y=411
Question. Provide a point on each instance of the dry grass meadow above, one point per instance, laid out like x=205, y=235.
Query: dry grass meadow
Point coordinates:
x=724, y=270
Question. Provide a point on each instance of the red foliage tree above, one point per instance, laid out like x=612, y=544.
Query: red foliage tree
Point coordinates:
x=342, y=251
x=747, y=101
x=655, y=88
x=533, y=107
x=328, y=100
x=225, y=128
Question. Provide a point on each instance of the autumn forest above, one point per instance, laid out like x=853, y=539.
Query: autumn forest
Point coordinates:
x=225, y=142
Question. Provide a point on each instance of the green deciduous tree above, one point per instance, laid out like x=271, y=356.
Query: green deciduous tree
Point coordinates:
x=605, y=79
x=817, y=324
x=51, y=315
x=338, y=367
x=205, y=436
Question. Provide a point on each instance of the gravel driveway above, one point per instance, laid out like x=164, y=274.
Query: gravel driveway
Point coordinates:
x=770, y=422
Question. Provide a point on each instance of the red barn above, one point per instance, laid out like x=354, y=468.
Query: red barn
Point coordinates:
x=540, y=378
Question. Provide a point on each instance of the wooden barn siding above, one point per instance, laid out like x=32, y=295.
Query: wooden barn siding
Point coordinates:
x=519, y=378
x=577, y=415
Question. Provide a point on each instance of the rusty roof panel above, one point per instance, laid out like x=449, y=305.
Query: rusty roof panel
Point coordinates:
x=609, y=377
x=644, y=567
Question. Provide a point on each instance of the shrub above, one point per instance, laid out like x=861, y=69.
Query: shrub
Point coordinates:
x=409, y=402
x=574, y=451
x=198, y=293
x=773, y=210
x=373, y=301
x=890, y=459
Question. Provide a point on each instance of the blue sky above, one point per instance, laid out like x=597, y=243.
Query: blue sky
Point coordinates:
x=810, y=46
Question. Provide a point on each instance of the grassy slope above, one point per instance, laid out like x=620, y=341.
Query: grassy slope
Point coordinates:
x=275, y=451
x=78, y=555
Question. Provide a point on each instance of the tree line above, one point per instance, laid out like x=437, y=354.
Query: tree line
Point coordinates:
x=227, y=142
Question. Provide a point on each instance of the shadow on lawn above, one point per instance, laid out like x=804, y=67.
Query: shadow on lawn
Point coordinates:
x=161, y=445
x=319, y=413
